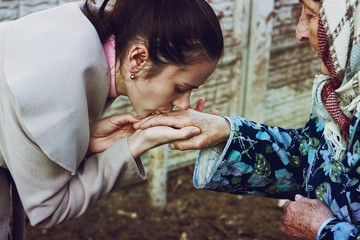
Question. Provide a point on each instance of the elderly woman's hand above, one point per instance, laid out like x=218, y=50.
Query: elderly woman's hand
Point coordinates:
x=214, y=129
x=143, y=140
x=105, y=132
x=303, y=218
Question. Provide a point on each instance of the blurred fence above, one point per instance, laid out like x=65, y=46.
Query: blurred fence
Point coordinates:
x=265, y=75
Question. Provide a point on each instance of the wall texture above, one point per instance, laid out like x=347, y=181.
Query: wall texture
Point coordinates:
x=293, y=65
x=13, y=9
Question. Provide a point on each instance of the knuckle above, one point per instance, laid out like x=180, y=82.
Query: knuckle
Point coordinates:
x=287, y=207
x=185, y=135
x=197, y=144
x=317, y=202
x=179, y=147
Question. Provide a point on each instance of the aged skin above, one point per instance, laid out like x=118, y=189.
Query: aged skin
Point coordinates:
x=303, y=217
x=307, y=28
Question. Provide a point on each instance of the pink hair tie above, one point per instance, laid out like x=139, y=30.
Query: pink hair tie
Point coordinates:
x=109, y=48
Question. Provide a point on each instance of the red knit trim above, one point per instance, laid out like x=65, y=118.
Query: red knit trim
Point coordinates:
x=326, y=54
x=327, y=94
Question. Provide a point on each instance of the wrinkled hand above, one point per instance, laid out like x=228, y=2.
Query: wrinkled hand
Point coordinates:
x=143, y=140
x=214, y=129
x=303, y=218
x=105, y=132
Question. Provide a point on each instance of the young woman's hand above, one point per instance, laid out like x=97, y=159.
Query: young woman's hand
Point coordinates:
x=143, y=140
x=104, y=132
x=303, y=218
x=214, y=129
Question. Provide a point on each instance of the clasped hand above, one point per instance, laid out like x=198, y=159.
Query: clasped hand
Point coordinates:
x=183, y=130
x=303, y=218
x=214, y=129
x=105, y=132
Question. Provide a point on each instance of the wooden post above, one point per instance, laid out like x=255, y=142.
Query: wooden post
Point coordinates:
x=157, y=175
x=255, y=70
x=240, y=34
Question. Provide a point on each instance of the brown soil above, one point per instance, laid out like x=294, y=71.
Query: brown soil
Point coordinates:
x=189, y=215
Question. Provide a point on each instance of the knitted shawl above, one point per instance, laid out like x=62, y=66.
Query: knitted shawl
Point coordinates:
x=336, y=97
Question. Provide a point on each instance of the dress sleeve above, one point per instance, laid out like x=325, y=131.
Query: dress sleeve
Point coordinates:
x=257, y=159
x=333, y=228
x=346, y=223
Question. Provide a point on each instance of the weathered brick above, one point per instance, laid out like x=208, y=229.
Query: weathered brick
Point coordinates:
x=27, y=7
x=9, y=11
x=292, y=68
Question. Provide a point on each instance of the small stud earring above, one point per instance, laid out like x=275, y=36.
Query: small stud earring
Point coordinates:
x=132, y=77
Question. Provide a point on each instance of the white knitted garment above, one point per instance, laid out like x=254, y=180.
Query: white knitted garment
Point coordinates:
x=349, y=101
x=341, y=20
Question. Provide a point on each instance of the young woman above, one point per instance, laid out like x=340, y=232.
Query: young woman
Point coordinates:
x=59, y=71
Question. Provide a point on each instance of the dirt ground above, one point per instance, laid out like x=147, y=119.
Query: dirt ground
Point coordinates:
x=189, y=215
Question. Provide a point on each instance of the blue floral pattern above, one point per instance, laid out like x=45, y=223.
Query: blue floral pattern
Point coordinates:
x=279, y=163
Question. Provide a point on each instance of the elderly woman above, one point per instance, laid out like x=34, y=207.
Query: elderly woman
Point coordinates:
x=317, y=165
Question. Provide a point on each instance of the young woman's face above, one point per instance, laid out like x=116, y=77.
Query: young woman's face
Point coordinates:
x=171, y=88
x=307, y=28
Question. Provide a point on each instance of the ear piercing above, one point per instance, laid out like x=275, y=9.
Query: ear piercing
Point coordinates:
x=132, y=77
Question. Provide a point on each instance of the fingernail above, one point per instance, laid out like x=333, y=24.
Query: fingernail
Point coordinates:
x=171, y=146
x=195, y=130
x=298, y=197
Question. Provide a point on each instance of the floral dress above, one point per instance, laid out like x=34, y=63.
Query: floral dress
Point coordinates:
x=279, y=163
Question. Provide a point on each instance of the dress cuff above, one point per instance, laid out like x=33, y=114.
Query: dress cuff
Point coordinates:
x=323, y=225
x=209, y=160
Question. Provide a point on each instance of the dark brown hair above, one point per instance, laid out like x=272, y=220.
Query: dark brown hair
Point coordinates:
x=175, y=32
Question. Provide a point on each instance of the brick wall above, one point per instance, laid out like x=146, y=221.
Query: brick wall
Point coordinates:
x=13, y=9
x=292, y=67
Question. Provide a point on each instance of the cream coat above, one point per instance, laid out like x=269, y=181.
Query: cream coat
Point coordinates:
x=53, y=82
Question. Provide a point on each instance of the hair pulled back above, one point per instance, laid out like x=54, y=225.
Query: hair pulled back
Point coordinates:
x=179, y=32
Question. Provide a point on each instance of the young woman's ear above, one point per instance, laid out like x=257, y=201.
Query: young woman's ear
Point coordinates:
x=138, y=56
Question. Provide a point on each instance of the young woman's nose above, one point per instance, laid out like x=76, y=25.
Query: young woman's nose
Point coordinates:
x=183, y=101
x=302, y=29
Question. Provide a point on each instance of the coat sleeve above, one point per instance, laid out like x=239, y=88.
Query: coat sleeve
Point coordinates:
x=257, y=159
x=51, y=194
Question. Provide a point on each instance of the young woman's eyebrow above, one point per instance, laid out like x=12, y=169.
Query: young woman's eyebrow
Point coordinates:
x=191, y=86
